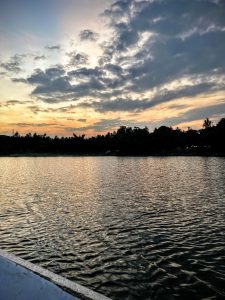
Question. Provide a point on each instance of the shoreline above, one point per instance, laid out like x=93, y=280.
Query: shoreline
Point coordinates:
x=112, y=155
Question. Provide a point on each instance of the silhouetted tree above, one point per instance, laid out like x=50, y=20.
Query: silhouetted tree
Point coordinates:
x=207, y=123
x=125, y=141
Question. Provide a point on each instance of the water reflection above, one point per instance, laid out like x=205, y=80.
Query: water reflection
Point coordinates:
x=131, y=228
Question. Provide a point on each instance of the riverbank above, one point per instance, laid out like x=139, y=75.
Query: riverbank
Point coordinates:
x=160, y=154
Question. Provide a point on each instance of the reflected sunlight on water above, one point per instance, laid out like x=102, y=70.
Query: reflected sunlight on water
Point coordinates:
x=131, y=228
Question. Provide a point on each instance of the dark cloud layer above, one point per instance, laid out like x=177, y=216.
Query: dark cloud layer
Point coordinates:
x=154, y=43
x=126, y=104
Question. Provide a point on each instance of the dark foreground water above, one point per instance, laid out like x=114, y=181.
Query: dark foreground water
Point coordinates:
x=131, y=228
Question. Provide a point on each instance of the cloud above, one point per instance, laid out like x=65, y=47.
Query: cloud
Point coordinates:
x=39, y=57
x=13, y=65
x=13, y=102
x=167, y=49
x=168, y=40
x=52, y=83
x=33, y=124
x=64, y=109
x=164, y=96
x=19, y=80
x=77, y=59
x=53, y=47
x=16, y=102
x=174, y=58
x=86, y=73
x=199, y=113
x=36, y=109
x=88, y=35
x=105, y=124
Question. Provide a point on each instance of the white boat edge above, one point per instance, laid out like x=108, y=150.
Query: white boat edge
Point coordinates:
x=65, y=284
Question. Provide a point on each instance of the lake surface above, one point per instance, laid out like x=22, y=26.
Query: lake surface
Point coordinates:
x=130, y=228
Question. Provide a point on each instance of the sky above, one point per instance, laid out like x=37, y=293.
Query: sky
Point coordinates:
x=91, y=66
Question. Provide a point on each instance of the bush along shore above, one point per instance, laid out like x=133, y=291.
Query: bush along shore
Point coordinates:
x=208, y=141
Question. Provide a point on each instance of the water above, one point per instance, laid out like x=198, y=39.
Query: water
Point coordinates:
x=131, y=228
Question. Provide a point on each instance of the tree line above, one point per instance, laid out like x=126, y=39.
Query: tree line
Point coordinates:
x=210, y=140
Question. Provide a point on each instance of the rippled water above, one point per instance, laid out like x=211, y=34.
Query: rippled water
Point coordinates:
x=131, y=228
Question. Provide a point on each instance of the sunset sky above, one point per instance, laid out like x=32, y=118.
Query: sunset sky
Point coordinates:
x=90, y=66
